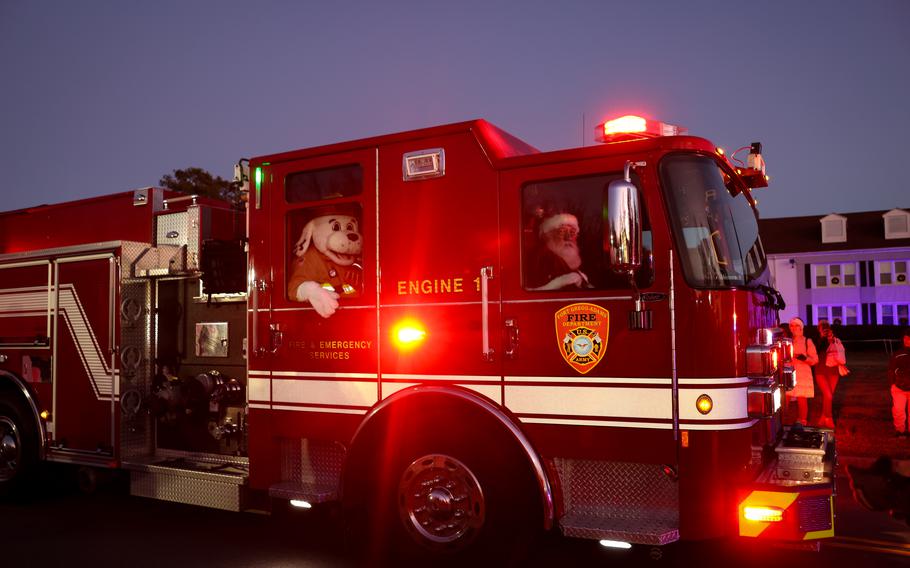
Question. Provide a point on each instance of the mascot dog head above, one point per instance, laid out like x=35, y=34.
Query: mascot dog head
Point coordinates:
x=336, y=236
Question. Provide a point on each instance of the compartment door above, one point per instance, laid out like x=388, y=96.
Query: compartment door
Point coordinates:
x=84, y=331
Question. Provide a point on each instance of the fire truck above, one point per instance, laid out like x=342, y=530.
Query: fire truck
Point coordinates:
x=460, y=339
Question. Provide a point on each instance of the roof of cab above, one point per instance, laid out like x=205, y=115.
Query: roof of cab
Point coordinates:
x=502, y=149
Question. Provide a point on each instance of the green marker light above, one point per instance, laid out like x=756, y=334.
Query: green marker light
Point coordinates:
x=258, y=176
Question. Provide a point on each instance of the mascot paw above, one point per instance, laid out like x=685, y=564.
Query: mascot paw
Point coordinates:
x=325, y=302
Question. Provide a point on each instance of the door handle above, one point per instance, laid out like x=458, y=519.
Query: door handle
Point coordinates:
x=511, y=349
x=276, y=338
x=256, y=287
x=486, y=274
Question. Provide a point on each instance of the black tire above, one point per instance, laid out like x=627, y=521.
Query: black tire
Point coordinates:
x=18, y=449
x=454, y=490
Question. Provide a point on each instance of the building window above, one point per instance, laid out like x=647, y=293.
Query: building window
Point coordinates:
x=835, y=275
x=838, y=314
x=897, y=224
x=834, y=229
x=892, y=272
x=893, y=314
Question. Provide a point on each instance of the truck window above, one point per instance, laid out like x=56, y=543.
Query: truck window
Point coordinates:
x=324, y=246
x=328, y=183
x=715, y=226
x=565, y=242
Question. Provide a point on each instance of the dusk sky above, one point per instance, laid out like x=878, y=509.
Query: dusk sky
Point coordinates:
x=107, y=96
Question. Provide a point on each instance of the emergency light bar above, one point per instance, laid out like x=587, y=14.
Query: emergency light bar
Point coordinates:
x=631, y=127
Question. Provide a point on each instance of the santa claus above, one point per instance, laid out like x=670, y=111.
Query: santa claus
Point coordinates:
x=556, y=262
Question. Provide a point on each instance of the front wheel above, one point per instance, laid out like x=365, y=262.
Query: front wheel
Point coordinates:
x=449, y=495
x=18, y=449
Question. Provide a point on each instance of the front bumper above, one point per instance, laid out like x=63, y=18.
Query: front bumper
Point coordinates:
x=792, y=499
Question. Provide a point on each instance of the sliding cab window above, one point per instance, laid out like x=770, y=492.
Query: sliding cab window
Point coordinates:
x=324, y=242
x=565, y=237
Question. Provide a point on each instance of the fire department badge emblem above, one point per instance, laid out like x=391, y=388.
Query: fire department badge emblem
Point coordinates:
x=582, y=331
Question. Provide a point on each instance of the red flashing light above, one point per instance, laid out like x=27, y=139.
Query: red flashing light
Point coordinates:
x=631, y=127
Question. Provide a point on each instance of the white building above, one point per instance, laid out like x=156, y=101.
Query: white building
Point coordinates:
x=851, y=269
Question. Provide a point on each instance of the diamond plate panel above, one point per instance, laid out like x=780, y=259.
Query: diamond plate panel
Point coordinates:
x=311, y=461
x=135, y=364
x=184, y=489
x=194, y=236
x=174, y=224
x=637, y=501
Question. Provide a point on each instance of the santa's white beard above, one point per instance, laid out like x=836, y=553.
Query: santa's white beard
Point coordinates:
x=567, y=251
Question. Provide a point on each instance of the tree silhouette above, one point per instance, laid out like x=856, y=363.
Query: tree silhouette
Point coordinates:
x=200, y=182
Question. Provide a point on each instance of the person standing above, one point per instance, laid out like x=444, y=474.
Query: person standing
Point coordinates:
x=899, y=377
x=804, y=356
x=832, y=357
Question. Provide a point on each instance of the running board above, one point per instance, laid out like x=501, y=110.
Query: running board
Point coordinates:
x=651, y=531
x=217, y=486
x=309, y=492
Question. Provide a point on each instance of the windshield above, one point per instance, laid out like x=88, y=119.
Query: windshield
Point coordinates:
x=714, y=224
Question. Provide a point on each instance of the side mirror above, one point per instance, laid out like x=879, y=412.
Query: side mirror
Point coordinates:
x=625, y=225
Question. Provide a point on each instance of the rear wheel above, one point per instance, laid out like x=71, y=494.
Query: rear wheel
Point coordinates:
x=18, y=449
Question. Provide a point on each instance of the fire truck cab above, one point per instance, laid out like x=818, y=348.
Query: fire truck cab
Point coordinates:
x=461, y=339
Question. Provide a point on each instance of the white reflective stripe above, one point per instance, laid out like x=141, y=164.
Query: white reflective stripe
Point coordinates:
x=455, y=378
x=338, y=375
x=714, y=381
x=657, y=426
x=319, y=409
x=577, y=422
x=591, y=380
x=94, y=361
x=260, y=406
x=729, y=404
x=492, y=392
x=259, y=389
x=619, y=402
x=736, y=426
x=341, y=393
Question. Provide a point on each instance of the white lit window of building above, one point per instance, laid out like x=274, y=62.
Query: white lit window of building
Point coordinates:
x=892, y=272
x=894, y=314
x=838, y=314
x=835, y=275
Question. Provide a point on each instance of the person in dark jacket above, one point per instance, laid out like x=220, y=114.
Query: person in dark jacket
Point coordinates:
x=899, y=377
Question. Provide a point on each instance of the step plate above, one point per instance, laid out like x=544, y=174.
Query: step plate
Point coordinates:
x=310, y=492
x=655, y=532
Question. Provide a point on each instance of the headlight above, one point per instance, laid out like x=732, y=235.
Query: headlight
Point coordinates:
x=764, y=399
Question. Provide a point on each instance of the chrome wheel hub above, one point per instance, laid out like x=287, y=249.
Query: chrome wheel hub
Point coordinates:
x=9, y=448
x=440, y=502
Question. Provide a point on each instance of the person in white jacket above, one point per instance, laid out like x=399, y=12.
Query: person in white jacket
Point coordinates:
x=832, y=357
x=804, y=356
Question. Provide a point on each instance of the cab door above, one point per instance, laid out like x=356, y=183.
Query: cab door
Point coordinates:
x=320, y=340
x=570, y=357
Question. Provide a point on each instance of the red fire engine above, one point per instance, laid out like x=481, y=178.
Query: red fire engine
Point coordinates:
x=461, y=339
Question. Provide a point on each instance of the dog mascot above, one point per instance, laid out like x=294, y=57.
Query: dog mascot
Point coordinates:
x=327, y=262
x=557, y=261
